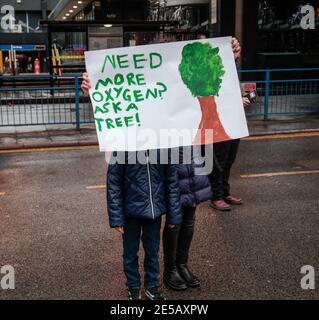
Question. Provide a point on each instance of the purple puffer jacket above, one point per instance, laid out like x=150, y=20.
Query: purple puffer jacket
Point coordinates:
x=193, y=188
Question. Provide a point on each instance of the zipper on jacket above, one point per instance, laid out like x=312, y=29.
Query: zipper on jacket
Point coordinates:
x=149, y=183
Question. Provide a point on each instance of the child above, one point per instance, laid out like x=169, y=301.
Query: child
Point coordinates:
x=137, y=196
x=177, y=241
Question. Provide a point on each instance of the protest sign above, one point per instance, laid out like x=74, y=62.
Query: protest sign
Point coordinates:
x=166, y=95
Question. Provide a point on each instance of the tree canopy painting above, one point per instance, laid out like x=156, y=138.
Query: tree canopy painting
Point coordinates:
x=202, y=72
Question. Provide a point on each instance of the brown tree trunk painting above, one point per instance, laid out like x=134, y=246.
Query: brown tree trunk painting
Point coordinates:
x=210, y=120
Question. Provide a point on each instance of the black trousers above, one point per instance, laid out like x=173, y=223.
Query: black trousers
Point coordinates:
x=177, y=241
x=224, y=157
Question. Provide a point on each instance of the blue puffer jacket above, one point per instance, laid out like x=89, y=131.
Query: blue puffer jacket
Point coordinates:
x=193, y=188
x=144, y=191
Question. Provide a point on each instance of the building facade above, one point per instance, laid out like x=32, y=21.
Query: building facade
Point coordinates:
x=57, y=33
x=273, y=37
x=22, y=39
x=76, y=26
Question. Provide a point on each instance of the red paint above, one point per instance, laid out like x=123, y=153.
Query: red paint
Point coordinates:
x=210, y=120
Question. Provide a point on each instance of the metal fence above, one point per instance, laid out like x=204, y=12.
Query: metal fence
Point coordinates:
x=283, y=92
x=58, y=100
x=51, y=100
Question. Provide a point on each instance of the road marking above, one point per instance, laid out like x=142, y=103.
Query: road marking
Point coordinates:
x=275, y=174
x=283, y=136
x=70, y=148
x=2, y=194
x=103, y=186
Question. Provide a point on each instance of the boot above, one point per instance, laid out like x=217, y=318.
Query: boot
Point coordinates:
x=172, y=278
x=189, y=278
x=184, y=242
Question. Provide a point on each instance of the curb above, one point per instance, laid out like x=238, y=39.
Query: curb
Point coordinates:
x=83, y=143
x=50, y=145
x=272, y=133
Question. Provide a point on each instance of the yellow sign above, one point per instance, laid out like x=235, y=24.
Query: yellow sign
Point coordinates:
x=69, y=57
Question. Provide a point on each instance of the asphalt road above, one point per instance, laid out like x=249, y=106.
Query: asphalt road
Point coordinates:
x=55, y=232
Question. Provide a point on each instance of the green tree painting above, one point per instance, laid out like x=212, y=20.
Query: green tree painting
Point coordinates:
x=202, y=72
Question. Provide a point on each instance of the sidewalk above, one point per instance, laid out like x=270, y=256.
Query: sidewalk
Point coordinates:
x=293, y=124
x=65, y=135
x=46, y=136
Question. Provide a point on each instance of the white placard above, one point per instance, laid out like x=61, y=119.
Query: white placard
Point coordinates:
x=166, y=95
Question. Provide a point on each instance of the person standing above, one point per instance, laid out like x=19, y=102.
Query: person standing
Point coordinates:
x=224, y=157
x=137, y=196
x=177, y=241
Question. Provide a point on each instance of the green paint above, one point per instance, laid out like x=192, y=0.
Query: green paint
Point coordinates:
x=108, y=95
x=137, y=117
x=126, y=95
x=160, y=60
x=97, y=96
x=136, y=60
x=119, y=79
x=130, y=79
x=111, y=60
x=122, y=62
x=116, y=107
x=131, y=106
x=109, y=124
x=118, y=122
x=105, y=107
x=140, y=79
x=98, y=122
x=164, y=88
x=202, y=69
x=103, y=83
x=151, y=93
x=118, y=91
x=138, y=95
x=98, y=109
x=128, y=121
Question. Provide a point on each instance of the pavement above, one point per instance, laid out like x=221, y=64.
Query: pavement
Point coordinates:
x=46, y=136
x=54, y=227
x=293, y=124
x=16, y=137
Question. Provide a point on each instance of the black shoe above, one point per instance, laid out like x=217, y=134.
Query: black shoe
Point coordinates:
x=173, y=280
x=154, y=294
x=189, y=278
x=134, y=294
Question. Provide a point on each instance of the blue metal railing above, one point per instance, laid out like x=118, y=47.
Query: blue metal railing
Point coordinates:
x=284, y=96
x=43, y=100
x=50, y=100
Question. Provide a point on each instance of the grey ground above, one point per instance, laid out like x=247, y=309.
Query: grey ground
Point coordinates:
x=55, y=231
x=16, y=137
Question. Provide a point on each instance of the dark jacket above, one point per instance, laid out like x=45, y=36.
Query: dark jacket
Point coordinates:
x=144, y=191
x=193, y=188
